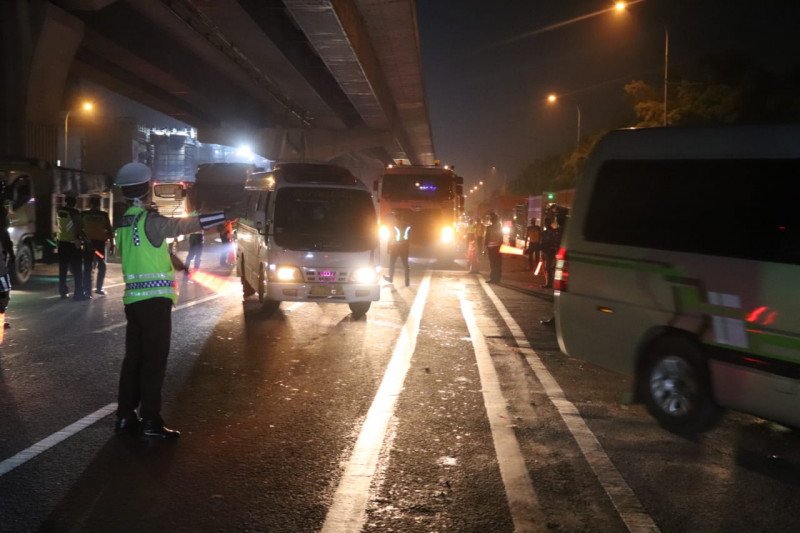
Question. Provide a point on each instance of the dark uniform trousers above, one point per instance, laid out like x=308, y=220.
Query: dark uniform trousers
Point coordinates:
x=69, y=258
x=495, y=263
x=89, y=257
x=399, y=249
x=147, y=341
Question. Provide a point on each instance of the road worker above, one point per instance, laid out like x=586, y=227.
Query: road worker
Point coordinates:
x=150, y=293
x=398, y=246
x=70, y=237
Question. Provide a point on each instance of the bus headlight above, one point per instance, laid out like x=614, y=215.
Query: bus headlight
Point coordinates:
x=365, y=275
x=448, y=235
x=288, y=273
x=384, y=233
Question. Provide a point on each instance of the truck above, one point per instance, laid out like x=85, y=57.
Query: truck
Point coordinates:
x=35, y=189
x=431, y=199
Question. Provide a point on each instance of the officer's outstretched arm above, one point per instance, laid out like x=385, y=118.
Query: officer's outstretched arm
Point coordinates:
x=159, y=227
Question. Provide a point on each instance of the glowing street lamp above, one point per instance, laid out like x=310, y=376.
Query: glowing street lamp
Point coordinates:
x=86, y=107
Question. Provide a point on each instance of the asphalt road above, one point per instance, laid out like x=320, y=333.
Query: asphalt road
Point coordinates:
x=447, y=408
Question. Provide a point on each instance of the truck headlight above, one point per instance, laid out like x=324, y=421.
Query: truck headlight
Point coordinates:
x=365, y=275
x=506, y=230
x=384, y=233
x=288, y=273
x=448, y=235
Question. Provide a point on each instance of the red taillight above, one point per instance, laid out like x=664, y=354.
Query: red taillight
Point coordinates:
x=562, y=273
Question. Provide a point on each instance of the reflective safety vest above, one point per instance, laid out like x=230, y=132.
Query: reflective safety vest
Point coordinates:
x=95, y=225
x=65, y=218
x=401, y=234
x=146, y=270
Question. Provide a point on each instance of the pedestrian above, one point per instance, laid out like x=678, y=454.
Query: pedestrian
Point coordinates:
x=533, y=243
x=70, y=242
x=472, y=253
x=196, y=241
x=6, y=257
x=98, y=231
x=493, y=239
x=399, y=246
x=551, y=240
x=226, y=237
x=150, y=293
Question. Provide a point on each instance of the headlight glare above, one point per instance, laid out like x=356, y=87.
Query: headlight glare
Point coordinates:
x=384, y=233
x=365, y=275
x=288, y=273
x=447, y=234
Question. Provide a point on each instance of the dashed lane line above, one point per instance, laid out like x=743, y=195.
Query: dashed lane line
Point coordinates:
x=522, y=500
x=347, y=514
x=621, y=495
x=45, y=444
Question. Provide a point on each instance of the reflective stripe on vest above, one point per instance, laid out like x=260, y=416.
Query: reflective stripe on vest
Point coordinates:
x=147, y=270
x=401, y=236
x=66, y=226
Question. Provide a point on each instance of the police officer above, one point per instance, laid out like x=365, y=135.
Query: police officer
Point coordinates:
x=150, y=293
x=398, y=247
x=6, y=256
x=97, y=228
x=69, y=237
x=493, y=240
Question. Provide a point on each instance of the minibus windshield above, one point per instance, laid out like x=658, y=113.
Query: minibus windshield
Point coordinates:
x=325, y=219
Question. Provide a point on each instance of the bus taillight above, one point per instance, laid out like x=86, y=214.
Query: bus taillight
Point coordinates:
x=562, y=272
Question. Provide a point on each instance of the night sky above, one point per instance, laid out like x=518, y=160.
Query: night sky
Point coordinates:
x=487, y=77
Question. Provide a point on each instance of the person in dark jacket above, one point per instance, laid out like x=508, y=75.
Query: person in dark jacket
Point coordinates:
x=551, y=240
x=6, y=257
x=493, y=239
x=399, y=247
x=98, y=231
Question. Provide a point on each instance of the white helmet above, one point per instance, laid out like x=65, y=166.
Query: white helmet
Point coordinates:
x=133, y=174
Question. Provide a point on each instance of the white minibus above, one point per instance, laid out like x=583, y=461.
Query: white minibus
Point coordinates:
x=680, y=266
x=309, y=233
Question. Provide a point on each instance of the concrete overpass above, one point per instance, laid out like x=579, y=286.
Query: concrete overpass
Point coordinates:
x=297, y=79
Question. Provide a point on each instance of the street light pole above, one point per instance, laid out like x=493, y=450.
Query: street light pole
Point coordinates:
x=666, y=71
x=66, y=135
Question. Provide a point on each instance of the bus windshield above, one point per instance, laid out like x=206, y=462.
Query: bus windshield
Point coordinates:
x=435, y=188
x=325, y=219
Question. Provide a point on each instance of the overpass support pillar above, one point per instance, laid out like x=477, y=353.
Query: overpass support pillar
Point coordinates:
x=38, y=41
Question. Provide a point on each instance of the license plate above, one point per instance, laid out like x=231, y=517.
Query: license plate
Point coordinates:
x=326, y=290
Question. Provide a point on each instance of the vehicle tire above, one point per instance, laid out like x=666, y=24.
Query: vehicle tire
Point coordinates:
x=21, y=269
x=247, y=289
x=359, y=309
x=675, y=386
x=268, y=307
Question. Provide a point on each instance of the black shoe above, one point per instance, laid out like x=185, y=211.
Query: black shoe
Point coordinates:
x=64, y=295
x=549, y=322
x=81, y=297
x=387, y=278
x=127, y=425
x=101, y=292
x=155, y=429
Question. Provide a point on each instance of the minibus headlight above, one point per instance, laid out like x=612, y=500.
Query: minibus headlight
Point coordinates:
x=288, y=273
x=448, y=234
x=384, y=233
x=365, y=275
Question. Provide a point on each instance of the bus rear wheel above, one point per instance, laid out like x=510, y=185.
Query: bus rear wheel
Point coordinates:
x=675, y=386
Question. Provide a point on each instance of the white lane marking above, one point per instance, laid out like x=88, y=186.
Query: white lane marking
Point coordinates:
x=48, y=442
x=105, y=287
x=622, y=497
x=348, y=511
x=177, y=308
x=521, y=496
